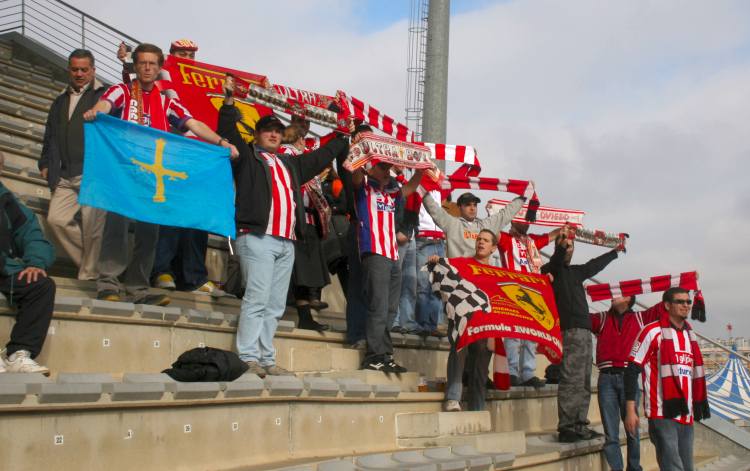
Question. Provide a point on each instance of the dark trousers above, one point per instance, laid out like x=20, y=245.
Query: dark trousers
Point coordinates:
x=612, y=408
x=356, y=311
x=116, y=261
x=674, y=444
x=574, y=390
x=181, y=252
x=381, y=280
x=474, y=359
x=35, y=302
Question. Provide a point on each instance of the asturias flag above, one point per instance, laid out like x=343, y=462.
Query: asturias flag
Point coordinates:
x=157, y=177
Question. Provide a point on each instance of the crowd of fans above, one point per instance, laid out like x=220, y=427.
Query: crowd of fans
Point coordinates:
x=301, y=217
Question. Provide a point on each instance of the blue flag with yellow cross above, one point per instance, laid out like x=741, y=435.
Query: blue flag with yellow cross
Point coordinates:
x=154, y=176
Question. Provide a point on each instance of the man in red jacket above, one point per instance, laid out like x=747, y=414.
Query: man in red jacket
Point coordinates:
x=616, y=330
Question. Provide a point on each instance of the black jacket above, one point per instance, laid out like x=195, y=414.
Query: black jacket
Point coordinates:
x=567, y=284
x=253, y=178
x=54, y=138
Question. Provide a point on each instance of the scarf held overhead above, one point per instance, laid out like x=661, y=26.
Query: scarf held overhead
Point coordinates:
x=654, y=284
x=545, y=215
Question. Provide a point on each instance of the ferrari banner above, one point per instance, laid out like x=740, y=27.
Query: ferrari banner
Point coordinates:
x=485, y=301
x=200, y=87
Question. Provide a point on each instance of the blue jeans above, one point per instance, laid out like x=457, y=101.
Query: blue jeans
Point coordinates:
x=429, y=305
x=521, y=358
x=356, y=311
x=674, y=444
x=407, y=259
x=266, y=263
x=612, y=409
x=181, y=252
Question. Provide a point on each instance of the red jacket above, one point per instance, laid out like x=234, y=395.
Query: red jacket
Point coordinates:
x=615, y=335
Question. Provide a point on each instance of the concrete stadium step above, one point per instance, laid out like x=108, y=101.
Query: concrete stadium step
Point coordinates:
x=30, y=88
x=18, y=69
x=219, y=433
x=421, y=430
x=25, y=99
x=126, y=337
x=19, y=110
x=726, y=463
x=408, y=381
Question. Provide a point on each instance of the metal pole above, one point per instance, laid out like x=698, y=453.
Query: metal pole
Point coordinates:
x=23, y=17
x=436, y=73
x=83, y=32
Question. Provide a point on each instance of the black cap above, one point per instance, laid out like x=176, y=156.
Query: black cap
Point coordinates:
x=269, y=122
x=467, y=198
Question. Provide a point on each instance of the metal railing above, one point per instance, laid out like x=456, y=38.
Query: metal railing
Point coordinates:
x=61, y=28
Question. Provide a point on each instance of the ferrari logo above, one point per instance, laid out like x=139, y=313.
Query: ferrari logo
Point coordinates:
x=157, y=168
x=531, y=301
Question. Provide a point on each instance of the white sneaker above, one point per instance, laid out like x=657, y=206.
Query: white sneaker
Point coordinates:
x=452, y=406
x=210, y=288
x=21, y=362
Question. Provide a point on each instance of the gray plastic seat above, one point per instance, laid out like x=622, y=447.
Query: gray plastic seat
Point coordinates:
x=319, y=386
x=283, y=385
x=386, y=461
x=472, y=463
x=414, y=457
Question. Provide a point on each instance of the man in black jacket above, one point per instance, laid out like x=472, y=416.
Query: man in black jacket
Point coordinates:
x=61, y=163
x=269, y=216
x=574, y=390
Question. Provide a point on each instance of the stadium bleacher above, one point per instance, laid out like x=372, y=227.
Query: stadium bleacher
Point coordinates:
x=106, y=403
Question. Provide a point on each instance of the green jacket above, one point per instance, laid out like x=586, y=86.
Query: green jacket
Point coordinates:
x=22, y=243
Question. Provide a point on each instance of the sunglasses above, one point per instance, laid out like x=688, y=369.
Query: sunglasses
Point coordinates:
x=681, y=301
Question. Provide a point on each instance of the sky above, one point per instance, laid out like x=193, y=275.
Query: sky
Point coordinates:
x=636, y=112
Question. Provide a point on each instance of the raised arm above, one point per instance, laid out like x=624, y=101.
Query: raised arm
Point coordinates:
x=503, y=217
x=595, y=265
x=441, y=217
x=200, y=129
x=413, y=183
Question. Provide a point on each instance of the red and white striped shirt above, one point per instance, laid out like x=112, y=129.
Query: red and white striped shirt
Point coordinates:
x=645, y=353
x=122, y=103
x=376, y=209
x=513, y=251
x=281, y=218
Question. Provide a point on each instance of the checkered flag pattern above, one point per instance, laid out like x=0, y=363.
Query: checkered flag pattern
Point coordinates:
x=461, y=297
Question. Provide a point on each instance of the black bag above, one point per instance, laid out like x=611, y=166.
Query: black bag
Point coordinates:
x=207, y=364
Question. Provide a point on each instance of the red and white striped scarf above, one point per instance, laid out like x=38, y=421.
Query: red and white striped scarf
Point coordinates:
x=674, y=393
x=596, y=237
x=545, y=215
x=655, y=284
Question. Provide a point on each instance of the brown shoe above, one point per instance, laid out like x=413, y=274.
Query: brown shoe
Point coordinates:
x=274, y=370
x=253, y=367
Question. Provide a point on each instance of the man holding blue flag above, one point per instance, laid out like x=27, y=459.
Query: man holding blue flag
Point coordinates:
x=143, y=103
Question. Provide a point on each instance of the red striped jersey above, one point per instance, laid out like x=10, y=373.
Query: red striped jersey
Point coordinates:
x=376, y=210
x=281, y=219
x=645, y=353
x=513, y=251
x=175, y=113
x=289, y=149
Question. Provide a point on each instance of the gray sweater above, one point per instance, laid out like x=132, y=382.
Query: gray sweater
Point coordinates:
x=460, y=234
